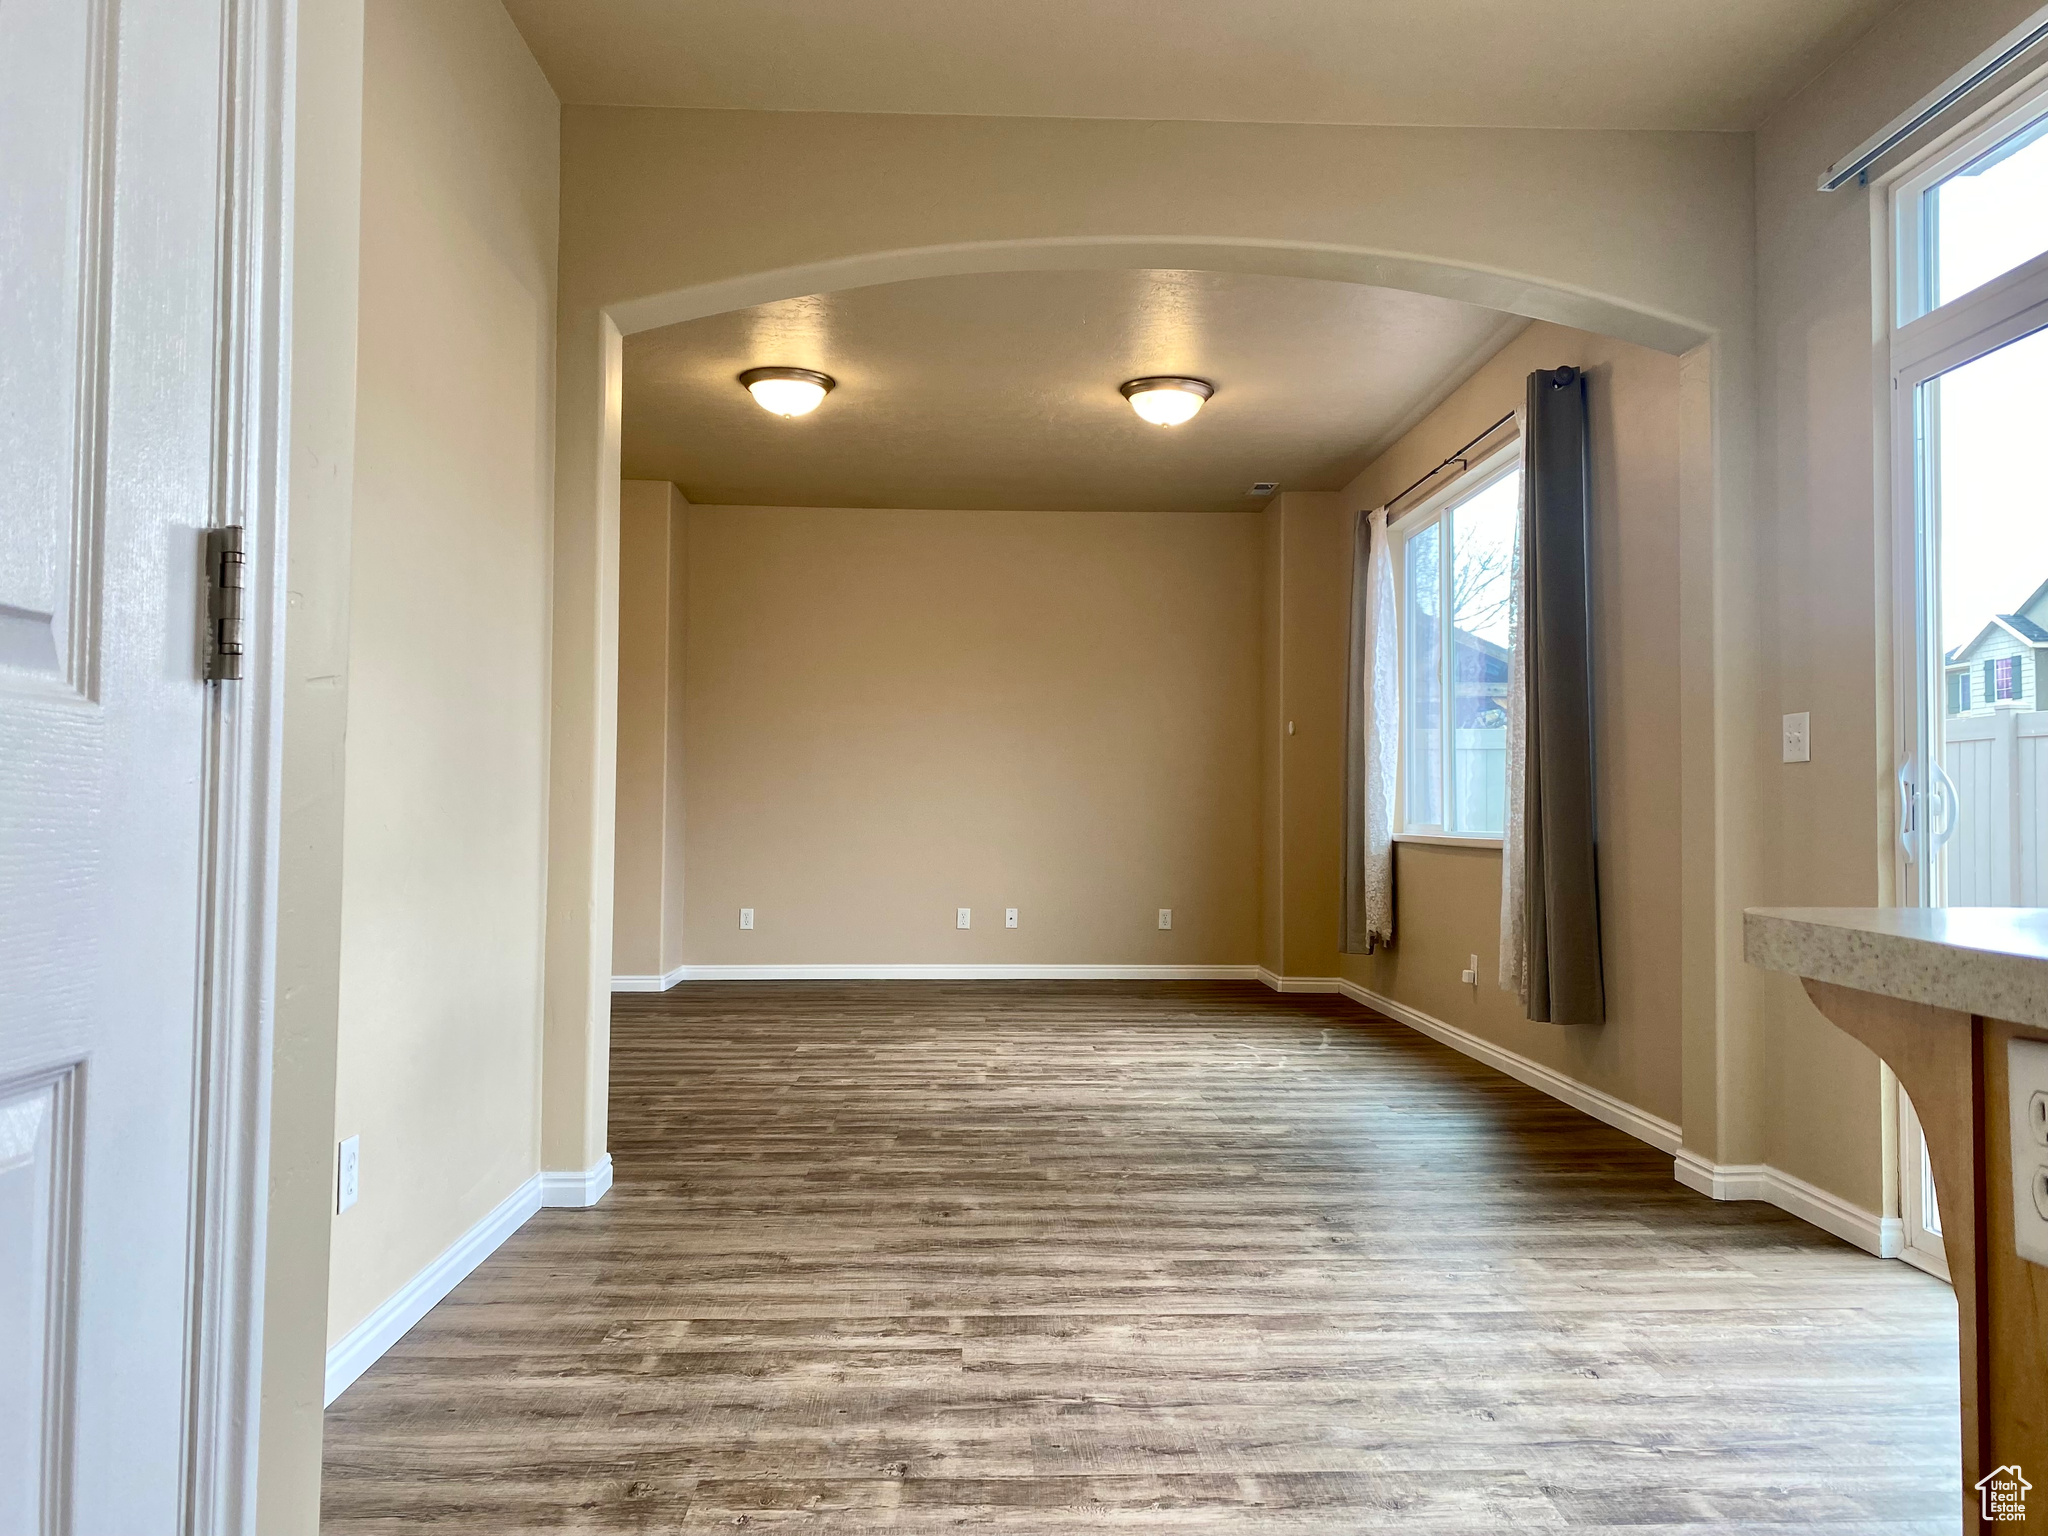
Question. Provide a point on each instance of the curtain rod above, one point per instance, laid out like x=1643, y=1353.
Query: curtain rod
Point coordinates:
x=1994, y=61
x=1455, y=458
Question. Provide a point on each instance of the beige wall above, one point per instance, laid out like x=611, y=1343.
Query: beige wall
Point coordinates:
x=893, y=714
x=325, y=212
x=446, y=770
x=647, y=862
x=1448, y=899
x=1824, y=564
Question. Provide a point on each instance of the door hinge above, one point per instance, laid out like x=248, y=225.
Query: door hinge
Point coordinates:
x=224, y=585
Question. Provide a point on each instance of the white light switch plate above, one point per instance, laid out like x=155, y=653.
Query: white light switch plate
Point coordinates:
x=2026, y=1081
x=348, y=1171
x=1799, y=738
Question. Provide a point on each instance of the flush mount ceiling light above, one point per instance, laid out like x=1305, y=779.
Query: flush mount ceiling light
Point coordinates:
x=1167, y=402
x=787, y=391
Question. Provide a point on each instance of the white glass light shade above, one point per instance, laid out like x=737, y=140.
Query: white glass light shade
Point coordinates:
x=1167, y=402
x=786, y=391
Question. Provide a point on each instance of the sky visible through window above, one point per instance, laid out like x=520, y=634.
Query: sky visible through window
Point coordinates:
x=1987, y=219
x=1990, y=415
x=1992, y=215
x=1484, y=538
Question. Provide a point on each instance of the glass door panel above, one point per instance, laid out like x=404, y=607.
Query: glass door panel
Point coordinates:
x=1984, y=490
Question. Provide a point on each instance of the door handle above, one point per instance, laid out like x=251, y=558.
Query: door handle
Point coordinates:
x=1951, y=804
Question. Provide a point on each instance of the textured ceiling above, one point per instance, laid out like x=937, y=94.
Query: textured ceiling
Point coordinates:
x=1000, y=390
x=1704, y=64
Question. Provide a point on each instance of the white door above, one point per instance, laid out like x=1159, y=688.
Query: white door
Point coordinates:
x=112, y=456
x=1969, y=354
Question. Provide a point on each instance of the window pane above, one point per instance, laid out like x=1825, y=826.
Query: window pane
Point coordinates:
x=1482, y=549
x=1423, y=784
x=1988, y=506
x=1990, y=216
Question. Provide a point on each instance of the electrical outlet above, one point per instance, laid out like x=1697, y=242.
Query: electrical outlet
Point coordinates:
x=2026, y=1082
x=348, y=1169
x=1166, y=917
x=1799, y=738
x=1470, y=975
x=1009, y=917
x=963, y=917
x=746, y=917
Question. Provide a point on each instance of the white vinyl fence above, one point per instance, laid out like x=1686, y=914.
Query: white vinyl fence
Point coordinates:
x=1482, y=771
x=1998, y=855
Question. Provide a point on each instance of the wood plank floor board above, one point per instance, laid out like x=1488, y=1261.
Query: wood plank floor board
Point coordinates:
x=1145, y=1257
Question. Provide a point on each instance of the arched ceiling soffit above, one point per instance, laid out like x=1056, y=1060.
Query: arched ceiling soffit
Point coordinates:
x=1506, y=292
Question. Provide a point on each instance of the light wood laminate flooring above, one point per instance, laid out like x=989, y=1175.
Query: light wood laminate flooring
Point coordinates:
x=1138, y=1257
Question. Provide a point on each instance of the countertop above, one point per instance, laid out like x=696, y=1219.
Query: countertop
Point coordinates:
x=1990, y=961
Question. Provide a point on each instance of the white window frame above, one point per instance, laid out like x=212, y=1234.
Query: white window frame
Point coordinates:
x=1922, y=343
x=1425, y=514
x=1919, y=1210
x=1913, y=268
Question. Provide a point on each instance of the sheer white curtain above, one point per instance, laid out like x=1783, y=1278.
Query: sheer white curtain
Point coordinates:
x=1514, y=930
x=1382, y=731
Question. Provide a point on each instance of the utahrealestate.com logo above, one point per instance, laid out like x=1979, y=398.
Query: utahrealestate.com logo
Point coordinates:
x=2004, y=1493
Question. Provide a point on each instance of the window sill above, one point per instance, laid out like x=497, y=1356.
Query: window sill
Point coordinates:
x=1451, y=840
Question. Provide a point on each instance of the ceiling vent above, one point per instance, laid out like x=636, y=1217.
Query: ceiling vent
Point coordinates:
x=1264, y=488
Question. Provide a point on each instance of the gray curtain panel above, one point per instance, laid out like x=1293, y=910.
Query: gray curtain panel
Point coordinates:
x=1358, y=937
x=1561, y=869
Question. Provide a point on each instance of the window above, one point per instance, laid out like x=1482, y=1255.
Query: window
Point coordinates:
x=1969, y=367
x=1969, y=377
x=1988, y=217
x=1455, y=560
x=2002, y=679
x=1975, y=214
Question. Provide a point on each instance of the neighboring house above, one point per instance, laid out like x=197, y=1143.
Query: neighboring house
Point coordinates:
x=2001, y=667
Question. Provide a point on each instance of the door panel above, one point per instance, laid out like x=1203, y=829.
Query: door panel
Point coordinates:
x=37, y=1154
x=110, y=171
x=1984, y=495
x=56, y=103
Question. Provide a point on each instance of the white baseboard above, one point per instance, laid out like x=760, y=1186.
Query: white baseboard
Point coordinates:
x=647, y=983
x=935, y=973
x=363, y=1345
x=1604, y=1107
x=1884, y=1236
x=576, y=1190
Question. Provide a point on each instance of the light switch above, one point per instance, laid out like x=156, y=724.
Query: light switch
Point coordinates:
x=1798, y=738
x=2026, y=1082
